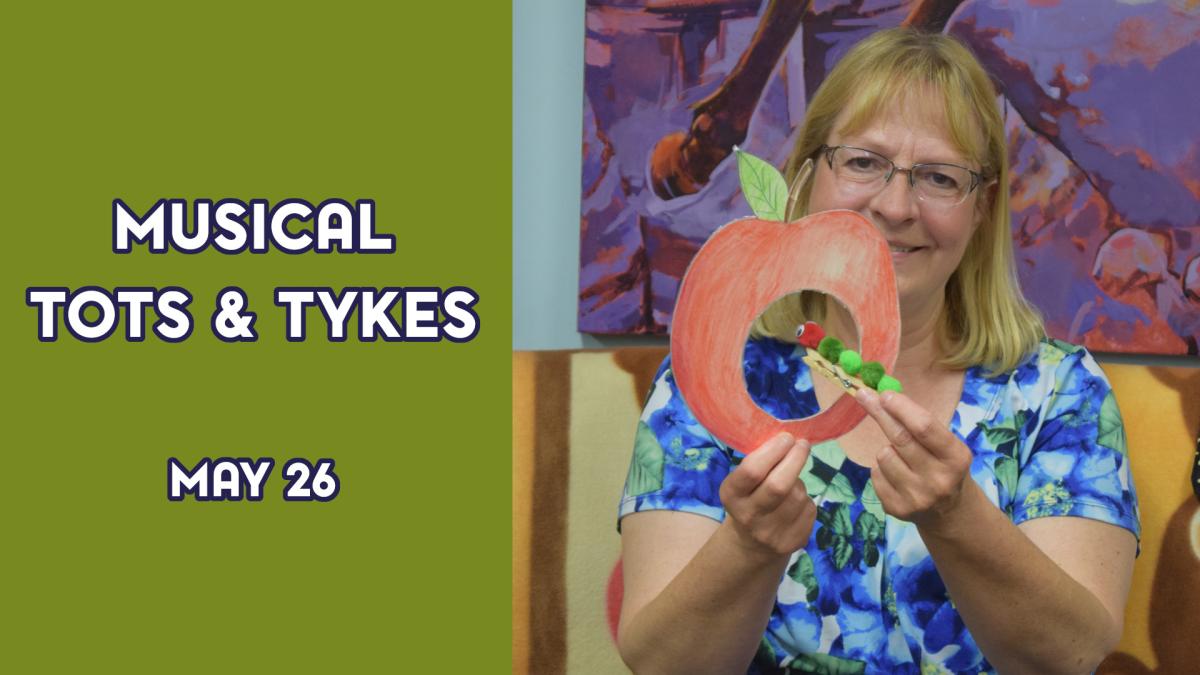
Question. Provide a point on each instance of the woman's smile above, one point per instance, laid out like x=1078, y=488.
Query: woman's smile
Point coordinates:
x=901, y=252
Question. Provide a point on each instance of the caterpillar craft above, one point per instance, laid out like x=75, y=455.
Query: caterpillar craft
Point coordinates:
x=827, y=356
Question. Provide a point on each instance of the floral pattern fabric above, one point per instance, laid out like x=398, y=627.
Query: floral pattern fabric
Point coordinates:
x=863, y=596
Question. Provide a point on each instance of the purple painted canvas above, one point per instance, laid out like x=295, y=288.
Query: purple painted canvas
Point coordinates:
x=1101, y=99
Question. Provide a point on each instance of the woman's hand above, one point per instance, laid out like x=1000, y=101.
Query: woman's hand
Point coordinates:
x=765, y=501
x=920, y=476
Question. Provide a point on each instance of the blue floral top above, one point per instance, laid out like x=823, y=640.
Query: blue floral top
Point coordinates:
x=863, y=595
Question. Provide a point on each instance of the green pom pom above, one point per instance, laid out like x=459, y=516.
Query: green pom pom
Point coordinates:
x=889, y=383
x=870, y=373
x=850, y=361
x=831, y=348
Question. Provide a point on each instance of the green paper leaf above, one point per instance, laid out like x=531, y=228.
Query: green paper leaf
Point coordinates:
x=1111, y=432
x=764, y=187
x=824, y=664
x=646, y=470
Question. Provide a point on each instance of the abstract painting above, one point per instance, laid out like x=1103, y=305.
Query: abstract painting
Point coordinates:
x=1101, y=100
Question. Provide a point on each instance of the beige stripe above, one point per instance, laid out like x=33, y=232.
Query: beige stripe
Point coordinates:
x=610, y=387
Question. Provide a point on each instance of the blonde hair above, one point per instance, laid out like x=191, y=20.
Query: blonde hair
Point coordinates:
x=986, y=320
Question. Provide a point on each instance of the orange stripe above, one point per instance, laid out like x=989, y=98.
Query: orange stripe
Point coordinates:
x=523, y=399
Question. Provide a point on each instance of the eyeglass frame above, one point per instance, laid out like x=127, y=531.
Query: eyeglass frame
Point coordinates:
x=977, y=178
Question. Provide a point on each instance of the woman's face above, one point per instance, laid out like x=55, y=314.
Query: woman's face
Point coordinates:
x=927, y=239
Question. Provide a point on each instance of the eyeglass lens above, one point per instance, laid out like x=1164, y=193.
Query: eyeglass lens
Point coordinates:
x=863, y=170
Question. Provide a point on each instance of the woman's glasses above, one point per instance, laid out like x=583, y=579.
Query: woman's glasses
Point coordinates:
x=867, y=172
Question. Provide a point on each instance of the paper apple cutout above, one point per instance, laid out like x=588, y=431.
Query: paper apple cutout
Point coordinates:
x=743, y=268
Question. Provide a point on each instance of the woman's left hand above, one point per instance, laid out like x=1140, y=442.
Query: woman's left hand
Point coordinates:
x=921, y=475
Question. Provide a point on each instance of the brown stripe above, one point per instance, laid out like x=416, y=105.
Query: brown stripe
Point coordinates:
x=642, y=363
x=551, y=467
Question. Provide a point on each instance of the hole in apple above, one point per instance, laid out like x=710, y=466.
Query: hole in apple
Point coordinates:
x=778, y=381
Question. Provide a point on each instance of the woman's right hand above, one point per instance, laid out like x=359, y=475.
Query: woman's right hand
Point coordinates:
x=718, y=580
x=765, y=501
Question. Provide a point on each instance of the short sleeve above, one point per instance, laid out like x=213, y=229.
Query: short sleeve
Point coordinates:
x=1076, y=462
x=677, y=465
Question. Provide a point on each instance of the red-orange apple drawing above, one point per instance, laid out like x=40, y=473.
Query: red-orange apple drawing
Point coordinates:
x=750, y=263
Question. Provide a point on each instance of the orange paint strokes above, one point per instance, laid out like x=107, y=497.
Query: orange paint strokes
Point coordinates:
x=1090, y=117
x=597, y=54
x=1139, y=39
x=1192, y=184
x=609, y=254
x=1130, y=263
x=1155, y=337
x=1145, y=159
x=1134, y=37
x=671, y=252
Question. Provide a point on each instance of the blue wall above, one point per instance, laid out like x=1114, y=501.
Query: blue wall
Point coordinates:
x=547, y=138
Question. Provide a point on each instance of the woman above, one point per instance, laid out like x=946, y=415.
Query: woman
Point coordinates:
x=998, y=479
